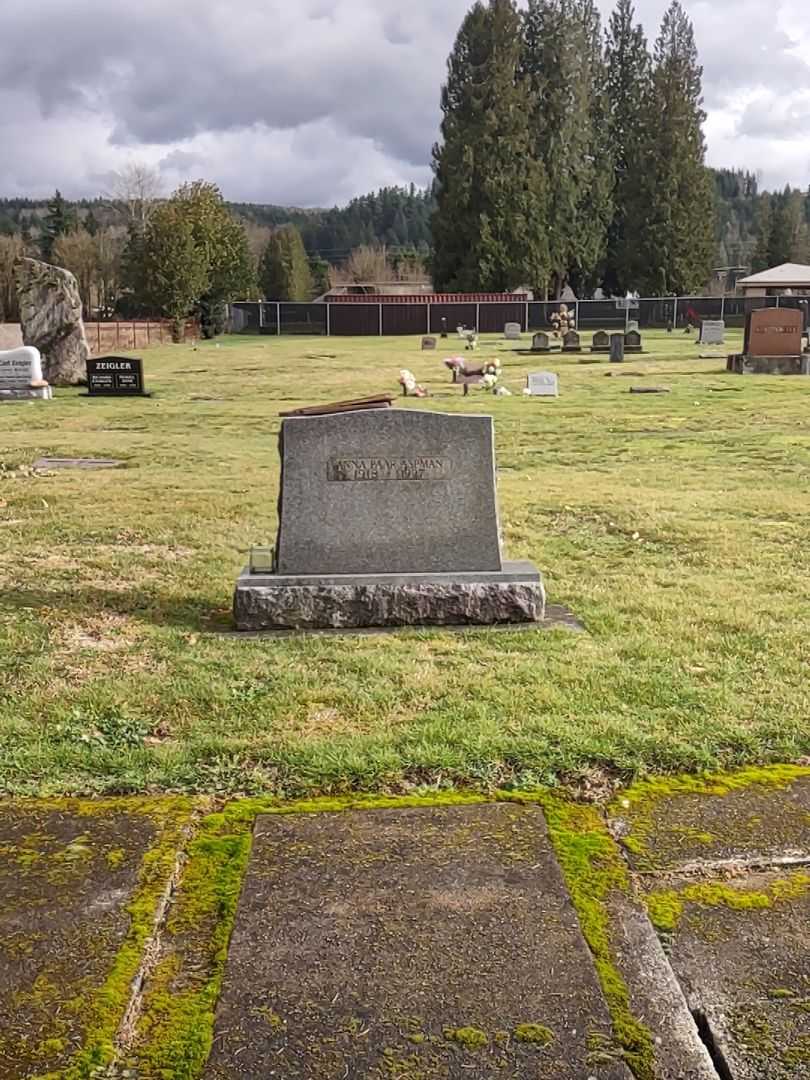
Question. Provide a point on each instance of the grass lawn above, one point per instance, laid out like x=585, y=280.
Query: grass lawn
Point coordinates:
x=675, y=526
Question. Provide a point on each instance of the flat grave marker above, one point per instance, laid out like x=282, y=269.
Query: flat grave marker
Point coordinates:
x=399, y=942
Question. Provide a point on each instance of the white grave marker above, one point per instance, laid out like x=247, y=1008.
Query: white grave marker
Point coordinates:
x=21, y=375
x=511, y=331
x=713, y=332
x=543, y=384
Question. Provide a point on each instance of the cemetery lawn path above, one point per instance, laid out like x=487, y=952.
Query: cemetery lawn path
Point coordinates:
x=673, y=525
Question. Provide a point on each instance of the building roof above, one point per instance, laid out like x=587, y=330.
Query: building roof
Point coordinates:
x=787, y=275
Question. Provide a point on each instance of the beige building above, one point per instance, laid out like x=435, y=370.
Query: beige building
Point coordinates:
x=789, y=279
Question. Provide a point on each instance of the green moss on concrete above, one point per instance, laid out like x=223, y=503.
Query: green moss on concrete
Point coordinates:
x=536, y=1034
x=638, y=802
x=593, y=870
x=176, y=1026
x=99, y=1011
x=666, y=906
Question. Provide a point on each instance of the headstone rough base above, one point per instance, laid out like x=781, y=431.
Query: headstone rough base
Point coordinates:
x=740, y=364
x=355, y=601
x=33, y=393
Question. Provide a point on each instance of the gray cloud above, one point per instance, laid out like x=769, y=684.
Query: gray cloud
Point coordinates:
x=312, y=101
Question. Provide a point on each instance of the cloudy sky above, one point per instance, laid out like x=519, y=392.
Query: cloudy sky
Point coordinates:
x=308, y=102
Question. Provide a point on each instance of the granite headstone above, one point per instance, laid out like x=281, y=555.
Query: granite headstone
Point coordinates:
x=115, y=376
x=512, y=331
x=632, y=341
x=428, y=343
x=541, y=342
x=571, y=342
x=713, y=332
x=387, y=517
x=616, y=348
x=601, y=342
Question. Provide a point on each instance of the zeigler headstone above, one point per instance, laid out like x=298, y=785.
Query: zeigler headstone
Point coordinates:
x=115, y=376
x=387, y=517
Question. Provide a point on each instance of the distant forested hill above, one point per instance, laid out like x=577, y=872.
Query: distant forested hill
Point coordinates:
x=400, y=218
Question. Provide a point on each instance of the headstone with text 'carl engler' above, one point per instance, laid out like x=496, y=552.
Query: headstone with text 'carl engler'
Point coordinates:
x=387, y=517
x=115, y=376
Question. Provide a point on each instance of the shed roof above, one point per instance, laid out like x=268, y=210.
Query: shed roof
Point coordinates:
x=786, y=275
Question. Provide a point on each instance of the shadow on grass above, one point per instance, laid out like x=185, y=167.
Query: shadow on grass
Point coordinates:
x=155, y=608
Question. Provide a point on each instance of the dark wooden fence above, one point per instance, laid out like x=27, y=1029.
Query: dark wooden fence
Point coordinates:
x=389, y=319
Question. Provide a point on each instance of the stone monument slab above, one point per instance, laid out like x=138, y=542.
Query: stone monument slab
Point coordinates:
x=428, y=344
x=632, y=342
x=601, y=342
x=21, y=375
x=115, y=376
x=512, y=331
x=617, y=347
x=571, y=342
x=413, y=943
x=713, y=332
x=352, y=483
x=543, y=384
x=773, y=343
x=386, y=518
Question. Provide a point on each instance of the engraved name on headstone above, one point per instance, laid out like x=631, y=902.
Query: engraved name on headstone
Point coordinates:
x=21, y=375
x=117, y=376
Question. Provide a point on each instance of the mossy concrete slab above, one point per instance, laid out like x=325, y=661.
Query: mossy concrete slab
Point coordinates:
x=757, y=815
x=741, y=951
x=67, y=874
x=412, y=944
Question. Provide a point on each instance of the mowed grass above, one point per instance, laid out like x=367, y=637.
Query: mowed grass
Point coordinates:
x=675, y=526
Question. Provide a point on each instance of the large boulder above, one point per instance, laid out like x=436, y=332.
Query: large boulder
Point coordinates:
x=51, y=318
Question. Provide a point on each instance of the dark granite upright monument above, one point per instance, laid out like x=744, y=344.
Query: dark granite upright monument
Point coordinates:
x=115, y=376
x=387, y=517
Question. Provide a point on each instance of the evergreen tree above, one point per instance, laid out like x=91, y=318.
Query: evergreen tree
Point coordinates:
x=677, y=243
x=58, y=221
x=761, y=258
x=284, y=272
x=563, y=60
x=629, y=114
x=489, y=225
x=319, y=269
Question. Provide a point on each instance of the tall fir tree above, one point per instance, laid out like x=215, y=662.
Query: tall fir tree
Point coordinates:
x=629, y=89
x=284, y=270
x=564, y=63
x=677, y=244
x=761, y=259
x=489, y=224
x=59, y=220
